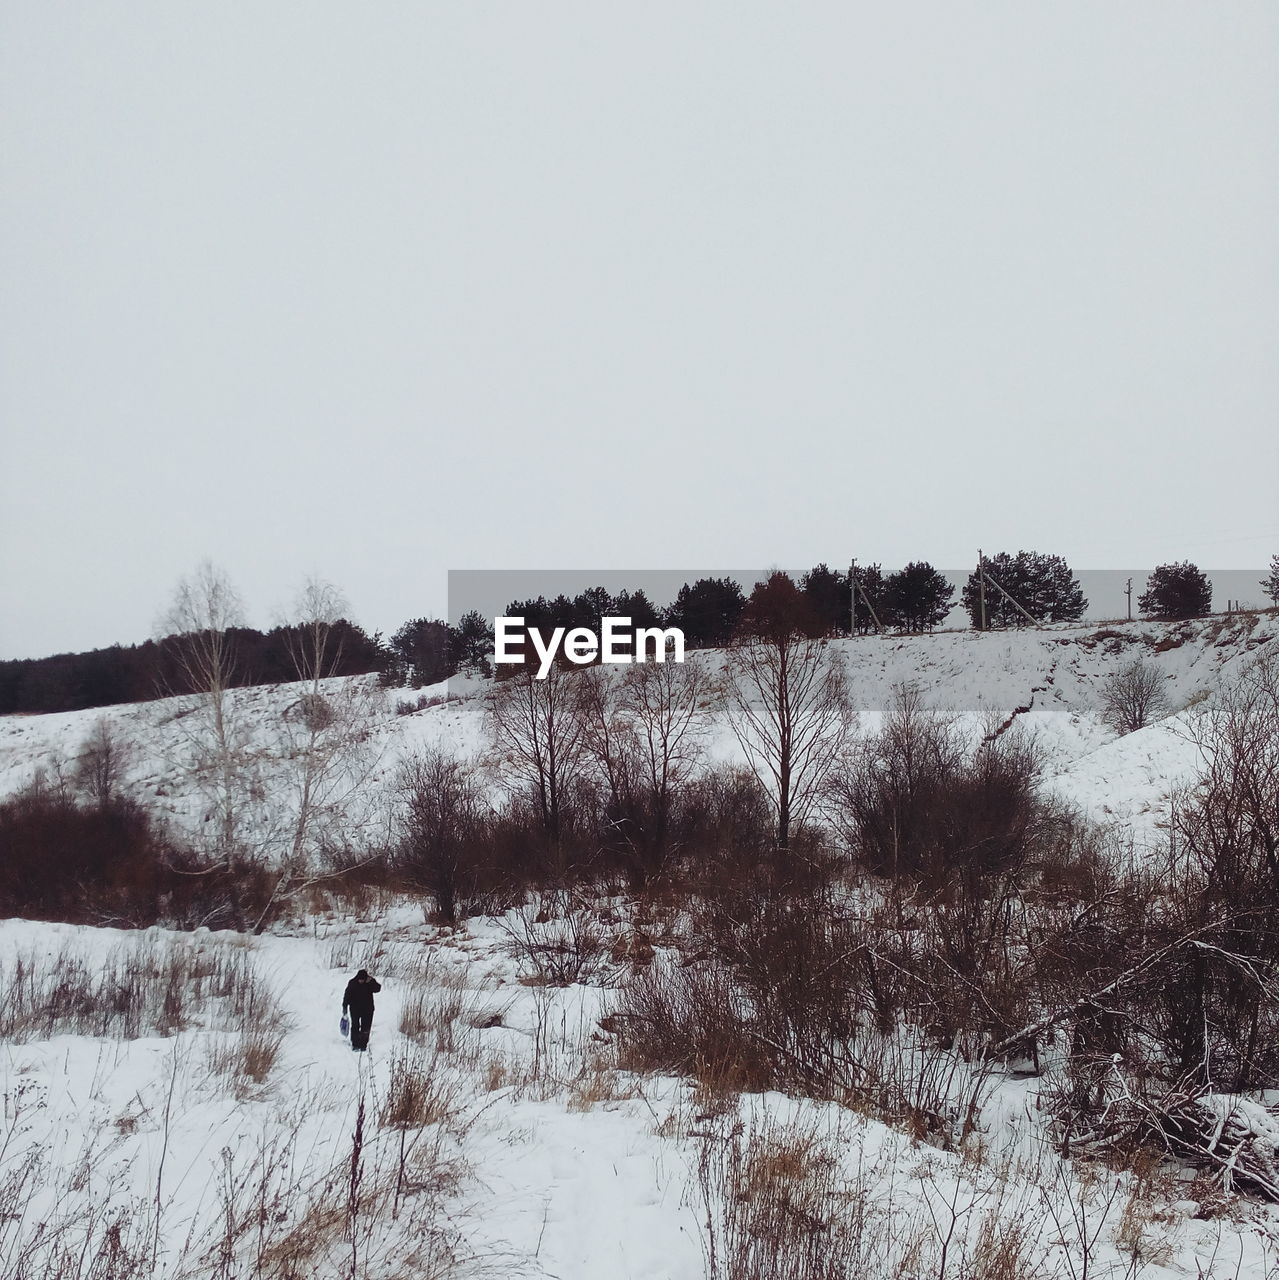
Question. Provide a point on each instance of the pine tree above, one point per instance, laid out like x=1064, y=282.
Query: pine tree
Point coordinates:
x=591, y=607
x=1176, y=591
x=707, y=612
x=471, y=642
x=918, y=596
x=1055, y=593
x=1042, y=584
x=873, y=593
x=778, y=609
x=827, y=595
x=1270, y=583
x=422, y=649
x=636, y=606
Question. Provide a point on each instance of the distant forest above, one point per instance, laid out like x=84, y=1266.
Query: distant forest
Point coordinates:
x=140, y=672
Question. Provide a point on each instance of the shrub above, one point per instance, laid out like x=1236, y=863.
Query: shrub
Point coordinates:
x=441, y=848
x=912, y=801
x=1134, y=697
x=105, y=863
x=561, y=944
x=691, y=1021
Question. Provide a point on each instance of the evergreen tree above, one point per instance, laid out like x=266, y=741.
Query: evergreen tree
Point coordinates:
x=422, y=651
x=828, y=596
x=1175, y=591
x=471, y=642
x=1042, y=584
x=778, y=610
x=636, y=606
x=564, y=613
x=1270, y=583
x=918, y=596
x=591, y=607
x=998, y=612
x=1054, y=591
x=873, y=591
x=544, y=615
x=707, y=612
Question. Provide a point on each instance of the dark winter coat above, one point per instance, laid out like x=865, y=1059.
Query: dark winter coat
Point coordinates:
x=358, y=996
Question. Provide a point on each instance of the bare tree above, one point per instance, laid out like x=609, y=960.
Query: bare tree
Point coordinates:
x=645, y=732
x=325, y=737
x=1221, y=1020
x=101, y=763
x=669, y=705
x=1134, y=697
x=328, y=727
x=608, y=740
x=199, y=623
x=537, y=732
x=443, y=813
x=1233, y=818
x=790, y=710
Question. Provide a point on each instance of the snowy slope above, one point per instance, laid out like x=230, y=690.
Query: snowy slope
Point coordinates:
x=540, y=1158
x=543, y=1163
x=1049, y=681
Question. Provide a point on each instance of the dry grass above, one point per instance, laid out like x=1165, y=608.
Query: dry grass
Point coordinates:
x=690, y=1020
x=779, y=1206
x=813, y=1197
x=421, y=1091
x=140, y=988
x=600, y=1082
x=381, y=954
x=447, y=1013
x=559, y=943
x=292, y=1200
x=247, y=1059
x=1006, y=1248
x=697, y=1021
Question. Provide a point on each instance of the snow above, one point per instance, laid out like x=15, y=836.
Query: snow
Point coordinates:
x=553, y=1183
x=548, y=1162
x=1048, y=681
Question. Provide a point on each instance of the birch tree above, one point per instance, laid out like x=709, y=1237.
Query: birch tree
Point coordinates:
x=327, y=729
x=199, y=626
x=326, y=739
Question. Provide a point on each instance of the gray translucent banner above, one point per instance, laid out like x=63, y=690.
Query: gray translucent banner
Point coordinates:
x=489, y=591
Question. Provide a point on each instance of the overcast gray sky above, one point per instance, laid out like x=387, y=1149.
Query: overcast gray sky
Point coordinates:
x=376, y=291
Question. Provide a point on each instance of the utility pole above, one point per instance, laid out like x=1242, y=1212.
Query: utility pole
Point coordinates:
x=852, y=598
x=1128, y=593
x=981, y=586
x=1016, y=604
x=870, y=608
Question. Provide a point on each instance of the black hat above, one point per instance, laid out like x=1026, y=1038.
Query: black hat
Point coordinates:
x=364, y=973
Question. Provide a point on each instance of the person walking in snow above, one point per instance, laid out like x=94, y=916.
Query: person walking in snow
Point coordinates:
x=358, y=998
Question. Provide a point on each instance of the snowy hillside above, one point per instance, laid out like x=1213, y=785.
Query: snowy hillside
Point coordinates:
x=182, y=1105
x=1050, y=681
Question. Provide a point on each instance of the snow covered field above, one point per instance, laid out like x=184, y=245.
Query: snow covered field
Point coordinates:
x=214, y=1124
x=520, y=1151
